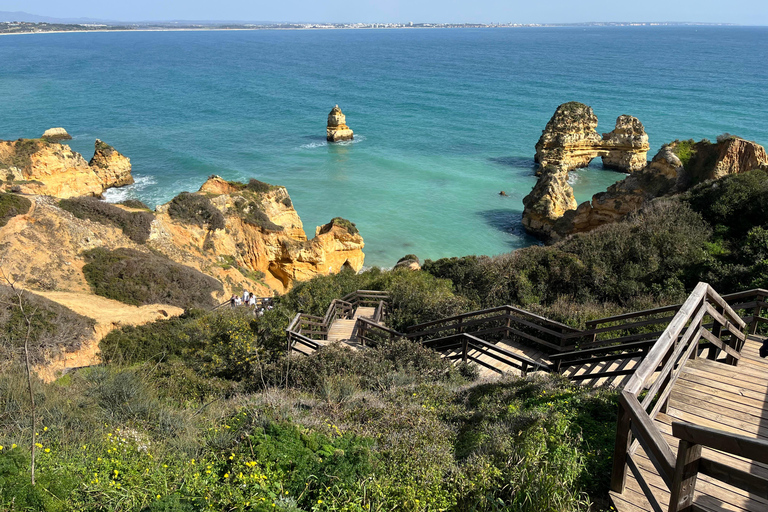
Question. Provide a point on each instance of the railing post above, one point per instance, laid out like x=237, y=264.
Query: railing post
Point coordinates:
x=464, y=346
x=717, y=330
x=362, y=327
x=621, y=451
x=684, y=479
x=459, y=326
x=755, y=315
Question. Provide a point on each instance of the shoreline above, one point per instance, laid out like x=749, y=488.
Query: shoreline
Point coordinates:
x=243, y=29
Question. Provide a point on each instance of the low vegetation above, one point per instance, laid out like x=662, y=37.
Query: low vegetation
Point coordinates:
x=54, y=328
x=196, y=209
x=207, y=411
x=135, y=204
x=23, y=149
x=135, y=225
x=12, y=205
x=342, y=223
x=140, y=278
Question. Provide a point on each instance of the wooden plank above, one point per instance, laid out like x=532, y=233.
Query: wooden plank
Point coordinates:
x=752, y=484
x=743, y=446
x=624, y=316
x=727, y=310
x=729, y=326
x=647, y=491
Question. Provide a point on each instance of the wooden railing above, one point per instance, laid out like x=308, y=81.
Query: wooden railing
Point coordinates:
x=501, y=322
x=371, y=333
x=469, y=348
x=690, y=463
x=304, y=329
x=656, y=376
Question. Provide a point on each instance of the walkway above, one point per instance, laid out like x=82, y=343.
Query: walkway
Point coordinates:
x=732, y=399
x=343, y=330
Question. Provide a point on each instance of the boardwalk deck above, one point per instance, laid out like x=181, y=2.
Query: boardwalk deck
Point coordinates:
x=343, y=330
x=710, y=394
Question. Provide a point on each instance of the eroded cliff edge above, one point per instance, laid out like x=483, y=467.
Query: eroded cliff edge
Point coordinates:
x=227, y=236
x=570, y=141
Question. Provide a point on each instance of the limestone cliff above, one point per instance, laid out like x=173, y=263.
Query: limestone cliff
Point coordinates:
x=675, y=168
x=39, y=166
x=337, y=129
x=112, y=168
x=262, y=238
x=570, y=141
x=550, y=199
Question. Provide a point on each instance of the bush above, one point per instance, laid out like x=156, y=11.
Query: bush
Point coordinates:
x=134, y=203
x=135, y=225
x=55, y=329
x=259, y=187
x=342, y=223
x=12, y=205
x=138, y=278
x=196, y=209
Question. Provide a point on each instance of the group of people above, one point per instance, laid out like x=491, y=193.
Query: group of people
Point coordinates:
x=259, y=305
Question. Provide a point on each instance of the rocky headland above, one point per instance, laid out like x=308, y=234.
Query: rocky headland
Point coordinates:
x=233, y=236
x=46, y=167
x=337, y=129
x=570, y=141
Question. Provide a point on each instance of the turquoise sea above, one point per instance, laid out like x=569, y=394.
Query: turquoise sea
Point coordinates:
x=443, y=119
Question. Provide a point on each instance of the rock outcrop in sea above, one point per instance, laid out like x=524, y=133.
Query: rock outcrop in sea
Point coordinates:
x=54, y=134
x=112, y=168
x=337, y=129
x=551, y=211
x=570, y=141
x=43, y=167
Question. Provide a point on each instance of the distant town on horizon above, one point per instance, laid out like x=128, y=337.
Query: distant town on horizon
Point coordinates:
x=10, y=26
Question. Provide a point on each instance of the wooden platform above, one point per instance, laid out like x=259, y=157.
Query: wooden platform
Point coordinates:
x=343, y=330
x=716, y=395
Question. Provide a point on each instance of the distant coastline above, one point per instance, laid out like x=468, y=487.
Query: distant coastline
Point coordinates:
x=16, y=27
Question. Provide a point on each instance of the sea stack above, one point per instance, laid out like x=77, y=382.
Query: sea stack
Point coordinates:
x=55, y=134
x=337, y=130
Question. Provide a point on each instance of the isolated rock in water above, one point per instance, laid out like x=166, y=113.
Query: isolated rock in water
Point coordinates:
x=54, y=134
x=112, y=168
x=626, y=147
x=570, y=141
x=337, y=130
x=409, y=261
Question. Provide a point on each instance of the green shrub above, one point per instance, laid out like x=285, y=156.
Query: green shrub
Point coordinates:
x=342, y=223
x=138, y=278
x=55, y=329
x=135, y=225
x=134, y=203
x=23, y=149
x=196, y=209
x=12, y=205
x=259, y=187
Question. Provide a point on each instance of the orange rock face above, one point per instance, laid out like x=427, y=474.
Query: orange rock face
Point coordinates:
x=337, y=129
x=39, y=166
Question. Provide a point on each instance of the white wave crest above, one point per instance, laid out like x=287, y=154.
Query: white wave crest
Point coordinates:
x=141, y=183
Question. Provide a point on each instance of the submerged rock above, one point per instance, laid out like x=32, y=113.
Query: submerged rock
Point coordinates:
x=54, y=134
x=337, y=129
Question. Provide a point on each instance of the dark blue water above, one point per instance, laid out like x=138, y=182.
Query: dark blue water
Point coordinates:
x=444, y=119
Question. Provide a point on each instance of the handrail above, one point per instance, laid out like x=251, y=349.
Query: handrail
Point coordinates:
x=522, y=312
x=690, y=462
x=677, y=344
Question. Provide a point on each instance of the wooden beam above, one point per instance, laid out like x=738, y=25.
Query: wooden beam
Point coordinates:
x=684, y=480
x=743, y=446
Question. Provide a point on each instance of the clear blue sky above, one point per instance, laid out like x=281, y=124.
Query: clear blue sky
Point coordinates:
x=746, y=12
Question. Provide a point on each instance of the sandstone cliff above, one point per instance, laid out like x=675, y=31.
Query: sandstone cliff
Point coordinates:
x=675, y=168
x=112, y=168
x=337, y=129
x=570, y=141
x=40, y=166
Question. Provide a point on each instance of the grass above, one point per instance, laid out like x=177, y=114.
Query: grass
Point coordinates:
x=135, y=225
x=139, y=278
x=12, y=205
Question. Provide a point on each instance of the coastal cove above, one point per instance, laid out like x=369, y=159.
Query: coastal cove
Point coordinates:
x=443, y=120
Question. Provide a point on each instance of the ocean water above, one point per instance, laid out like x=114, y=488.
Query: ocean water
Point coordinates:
x=443, y=119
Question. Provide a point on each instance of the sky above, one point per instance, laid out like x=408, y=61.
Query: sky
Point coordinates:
x=744, y=12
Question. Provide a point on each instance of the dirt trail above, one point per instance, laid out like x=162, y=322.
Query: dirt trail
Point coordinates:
x=108, y=314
